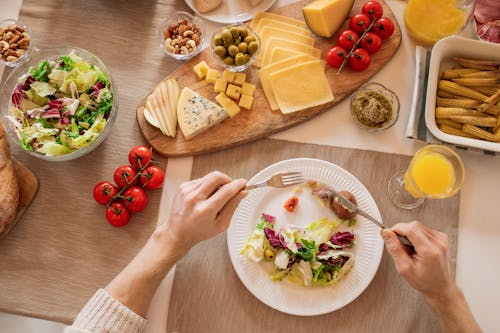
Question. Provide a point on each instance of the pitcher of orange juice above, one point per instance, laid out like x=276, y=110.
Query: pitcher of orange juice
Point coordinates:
x=435, y=172
x=427, y=21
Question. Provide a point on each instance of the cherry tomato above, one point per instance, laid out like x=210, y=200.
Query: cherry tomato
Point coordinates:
x=359, y=23
x=335, y=56
x=347, y=39
x=359, y=60
x=117, y=214
x=135, y=199
x=139, y=156
x=291, y=203
x=373, y=9
x=383, y=27
x=124, y=176
x=371, y=42
x=104, y=192
x=152, y=178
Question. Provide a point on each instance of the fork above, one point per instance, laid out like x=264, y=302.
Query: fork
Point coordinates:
x=283, y=179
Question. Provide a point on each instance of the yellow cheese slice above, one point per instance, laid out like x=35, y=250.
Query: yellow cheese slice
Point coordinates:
x=324, y=17
x=301, y=86
x=266, y=22
x=291, y=45
x=265, y=72
x=280, y=53
x=275, y=17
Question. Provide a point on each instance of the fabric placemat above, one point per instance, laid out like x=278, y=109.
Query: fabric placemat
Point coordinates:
x=208, y=296
x=63, y=248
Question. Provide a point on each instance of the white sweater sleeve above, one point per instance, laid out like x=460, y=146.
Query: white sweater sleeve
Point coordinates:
x=103, y=313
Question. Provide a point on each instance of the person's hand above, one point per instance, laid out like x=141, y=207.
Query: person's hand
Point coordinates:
x=203, y=208
x=427, y=270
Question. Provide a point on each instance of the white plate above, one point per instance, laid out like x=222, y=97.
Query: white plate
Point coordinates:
x=441, y=59
x=232, y=11
x=285, y=296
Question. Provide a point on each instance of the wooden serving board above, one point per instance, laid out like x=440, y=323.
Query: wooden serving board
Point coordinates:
x=261, y=121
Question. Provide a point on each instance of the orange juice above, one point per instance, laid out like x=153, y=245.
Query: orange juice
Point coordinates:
x=430, y=175
x=428, y=21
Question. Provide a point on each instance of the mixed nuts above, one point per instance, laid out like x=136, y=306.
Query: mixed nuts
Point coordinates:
x=182, y=37
x=14, y=42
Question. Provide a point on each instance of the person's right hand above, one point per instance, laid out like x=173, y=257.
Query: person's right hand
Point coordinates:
x=427, y=270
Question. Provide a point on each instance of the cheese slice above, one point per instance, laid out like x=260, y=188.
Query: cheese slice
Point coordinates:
x=196, y=113
x=283, y=43
x=280, y=53
x=264, y=75
x=275, y=17
x=269, y=32
x=301, y=86
x=266, y=22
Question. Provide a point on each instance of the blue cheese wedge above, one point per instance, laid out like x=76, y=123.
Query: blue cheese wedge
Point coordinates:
x=196, y=113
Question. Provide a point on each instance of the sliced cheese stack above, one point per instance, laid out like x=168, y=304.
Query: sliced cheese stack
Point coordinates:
x=196, y=113
x=161, y=107
x=284, y=35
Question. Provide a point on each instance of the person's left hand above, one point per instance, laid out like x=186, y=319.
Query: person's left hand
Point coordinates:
x=203, y=208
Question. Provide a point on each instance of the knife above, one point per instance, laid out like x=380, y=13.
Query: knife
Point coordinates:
x=405, y=241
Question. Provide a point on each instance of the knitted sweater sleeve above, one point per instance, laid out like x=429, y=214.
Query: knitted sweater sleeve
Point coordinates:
x=103, y=313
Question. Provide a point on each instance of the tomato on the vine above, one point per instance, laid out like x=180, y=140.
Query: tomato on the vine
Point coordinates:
x=371, y=42
x=359, y=60
x=139, y=156
x=152, y=178
x=373, y=9
x=104, y=192
x=359, y=23
x=347, y=39
x=135, y=199
x=383, y=27
x=291, y=203
x=335, y=56
x=124, y=175
x=117, y=214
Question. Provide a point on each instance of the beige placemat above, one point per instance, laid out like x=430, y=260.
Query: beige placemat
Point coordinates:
x=208, y=296
x=63, y=249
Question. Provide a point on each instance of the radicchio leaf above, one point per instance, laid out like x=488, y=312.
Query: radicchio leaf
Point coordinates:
x=342, y=238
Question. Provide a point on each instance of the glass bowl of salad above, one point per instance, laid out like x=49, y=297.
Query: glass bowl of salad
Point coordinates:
x=59, y=105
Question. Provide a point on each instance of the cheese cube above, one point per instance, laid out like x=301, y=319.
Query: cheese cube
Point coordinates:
x=246, y=102
x=239, y=78
x=228, y=104
x=248, y=89
x=201, y=69
x=228, y=75
x=212, y=75
x=233, y=92
x=220, y=85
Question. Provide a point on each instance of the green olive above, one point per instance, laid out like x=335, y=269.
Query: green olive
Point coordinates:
x=226, y=35
x=249, y=39
x=232, y=50
x=243, y=32
x=220, y=51
x=253, y=47
x=268, y=254
x=243, y=47
x=217, y=40
x=247, y=58
x=235, y=32
x=229, y=61
x=240, y=59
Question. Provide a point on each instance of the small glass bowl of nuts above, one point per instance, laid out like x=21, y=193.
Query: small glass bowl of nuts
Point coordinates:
x=182, y=36
x=15, y=42
x=235, y=47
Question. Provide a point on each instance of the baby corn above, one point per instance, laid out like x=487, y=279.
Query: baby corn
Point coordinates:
x=475, y=120
x=478, y=64
x=457, y=102
x=480, y=133
x=449, y=123
x=485, y=74
x=489, y=102
x=456, y=89
x=455, y=131
x=444, y=112
x=477, y=81
x=488, y=91
x=458, y=72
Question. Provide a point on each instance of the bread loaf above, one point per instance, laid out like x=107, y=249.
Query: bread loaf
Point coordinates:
x=204, y=6
x=9, y=190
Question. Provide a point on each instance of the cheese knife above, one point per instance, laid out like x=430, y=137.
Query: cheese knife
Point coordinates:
x=405, y=241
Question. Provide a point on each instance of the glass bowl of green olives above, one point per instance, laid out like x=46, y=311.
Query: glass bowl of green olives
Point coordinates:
x=235, y=47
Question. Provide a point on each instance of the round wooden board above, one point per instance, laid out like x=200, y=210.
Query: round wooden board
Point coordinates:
x=261, y=121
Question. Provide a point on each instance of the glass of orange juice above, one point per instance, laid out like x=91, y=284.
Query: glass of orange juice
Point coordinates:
x=435, y=172
x=427, y=21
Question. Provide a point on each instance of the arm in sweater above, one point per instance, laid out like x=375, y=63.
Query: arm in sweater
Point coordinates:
x=201, y=209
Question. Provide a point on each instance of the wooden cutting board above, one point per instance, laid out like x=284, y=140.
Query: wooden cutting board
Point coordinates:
x=261, y=121
x=28, y=186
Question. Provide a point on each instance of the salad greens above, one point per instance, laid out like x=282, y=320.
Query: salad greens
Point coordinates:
x=61, y=106
x=313, y=256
